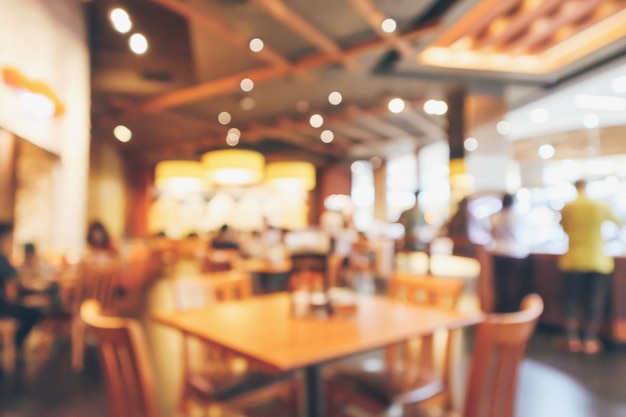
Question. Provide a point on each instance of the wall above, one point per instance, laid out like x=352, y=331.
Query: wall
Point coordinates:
x=107, y=191
x=46, y=41
x=7, y=175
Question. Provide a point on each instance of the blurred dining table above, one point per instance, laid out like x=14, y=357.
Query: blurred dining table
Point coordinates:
x=263, y=329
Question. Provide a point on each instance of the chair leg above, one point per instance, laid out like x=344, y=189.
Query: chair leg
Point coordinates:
x=8, y=357
x=78, y=345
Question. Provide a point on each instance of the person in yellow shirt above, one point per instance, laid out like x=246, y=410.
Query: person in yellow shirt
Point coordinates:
x=586, y=269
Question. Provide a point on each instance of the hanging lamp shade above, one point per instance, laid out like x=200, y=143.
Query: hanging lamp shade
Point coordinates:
x=233, y=167
x=291, y=175
x=179, y=175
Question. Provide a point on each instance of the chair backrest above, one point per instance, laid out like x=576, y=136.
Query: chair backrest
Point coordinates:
x=426, y=290
x=498, y=350
x=125, y=364
x=99, y=282
x=200, y=291
x=429, y=353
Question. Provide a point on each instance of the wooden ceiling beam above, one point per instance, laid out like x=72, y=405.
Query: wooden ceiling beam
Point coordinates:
x=373, y=122
x=294, y=21
x=374, y=18
x=216, y=24
x=230, y=83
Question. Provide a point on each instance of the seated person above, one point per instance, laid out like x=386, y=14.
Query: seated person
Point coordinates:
x=37, y=277
x=9, y=307
x=99, y=246
x=225, y=239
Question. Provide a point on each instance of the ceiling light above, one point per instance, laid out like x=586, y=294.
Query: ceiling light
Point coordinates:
x=232, y=139
x=122, y=133
x=247, y=103
x=357, y=167
x=233, y=167
x=503, y=127
x=138, y=43
x=593, y=102
x=396, y=105
x=316, y=120
x=327, y=136
x=246, y=84
x=224, y=118
x=179, y=176
x=388, y=25
x=335, y=98
x=234, y=131
x=120, y=20
x=470, y=144
x=539, y=115
x=619, y=84
x=256, y=45
x=291, y=175
x=590, y=120
x=546, y=151
x=436, y=107
x=376, y=162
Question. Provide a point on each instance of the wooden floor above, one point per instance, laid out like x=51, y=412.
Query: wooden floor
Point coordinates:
x=553, y=383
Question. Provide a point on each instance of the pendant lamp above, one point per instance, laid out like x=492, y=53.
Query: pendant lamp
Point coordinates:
x=235, y=167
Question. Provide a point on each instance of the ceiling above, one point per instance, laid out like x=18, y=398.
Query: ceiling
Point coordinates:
x=171, y=96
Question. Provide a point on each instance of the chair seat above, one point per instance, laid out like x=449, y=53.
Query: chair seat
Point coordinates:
x=388, y=387
x=224, y=386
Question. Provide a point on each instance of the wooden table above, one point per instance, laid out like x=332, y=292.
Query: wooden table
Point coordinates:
x=261, y=328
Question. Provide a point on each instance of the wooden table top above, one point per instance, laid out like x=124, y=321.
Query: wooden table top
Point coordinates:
x=263, y=329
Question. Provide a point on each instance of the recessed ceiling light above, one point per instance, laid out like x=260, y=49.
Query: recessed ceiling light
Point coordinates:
x=503, y=127
x=247, y=103
x=234, y=131
x=357, y=167
x=590, y=120
x=435, y=107
x=593, y=102
x=470, y=144
x=546, y=151
x=232, y=139
x=396, y=105
x=256, y=45
x=335, y=98
x=246, y=84
x=539, y=115
x=120, y=20
x=138, y=43
x=224, y=118
x=376, y=162
x=619, y=84
x=388, y=25
x=316, y=120
x=327, y=136
x=122, y=133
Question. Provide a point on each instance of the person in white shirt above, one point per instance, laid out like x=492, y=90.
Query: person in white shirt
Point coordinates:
x=510, y=251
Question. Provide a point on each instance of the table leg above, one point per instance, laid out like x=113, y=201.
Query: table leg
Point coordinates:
x=314, y=391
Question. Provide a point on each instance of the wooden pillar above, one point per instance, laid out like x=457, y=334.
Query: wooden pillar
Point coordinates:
x=140, y=183
x=460, y=185
x=8, y=151
x=380, y=193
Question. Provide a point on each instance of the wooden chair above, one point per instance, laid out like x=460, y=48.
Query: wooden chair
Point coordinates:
x=499, y=348
x=412, y=373
x=125, y=365
x=223, y=376
x=97, y=282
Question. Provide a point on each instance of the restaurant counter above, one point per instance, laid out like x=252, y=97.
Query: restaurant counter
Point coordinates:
x=547, y=281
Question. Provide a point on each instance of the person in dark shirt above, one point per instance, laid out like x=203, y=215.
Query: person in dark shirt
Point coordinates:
x=9, y=307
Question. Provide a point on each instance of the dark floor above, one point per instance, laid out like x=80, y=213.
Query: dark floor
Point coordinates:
x=553, y=383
